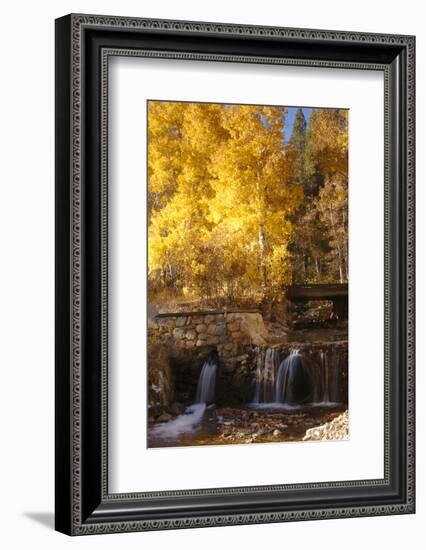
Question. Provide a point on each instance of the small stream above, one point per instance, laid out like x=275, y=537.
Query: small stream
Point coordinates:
x=294, y=388
x=236, y=425
x=194, y=416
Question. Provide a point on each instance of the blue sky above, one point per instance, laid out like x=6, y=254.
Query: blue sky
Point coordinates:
x=289, y=122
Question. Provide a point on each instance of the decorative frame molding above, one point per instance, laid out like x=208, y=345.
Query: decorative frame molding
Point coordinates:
x=84, y=44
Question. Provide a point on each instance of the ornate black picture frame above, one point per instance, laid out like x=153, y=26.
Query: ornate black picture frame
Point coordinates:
x=83, y=45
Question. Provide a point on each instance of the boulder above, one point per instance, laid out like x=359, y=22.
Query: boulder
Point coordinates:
x=212, y=340
x=178, y=333
x=233, y=326
x=221, y=329
x=177, y=408
x=253, y=327
x=211, y=329
x=165, y=417
x=161, y=382
x=338, y=428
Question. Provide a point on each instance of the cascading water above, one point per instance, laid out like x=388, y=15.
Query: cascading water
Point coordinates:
x=193, y=414
x=295, y=381
x=267, y=362
x=324, y=364
x=287, y=373
x=206, y=382
x=327, y=378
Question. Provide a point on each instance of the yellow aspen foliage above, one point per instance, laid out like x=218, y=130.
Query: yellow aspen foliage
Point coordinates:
x=252, y=200
x=329, y=140
x=220, y=201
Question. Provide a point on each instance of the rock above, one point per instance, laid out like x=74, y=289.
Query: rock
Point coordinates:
x=276, y=433
x=239, y=360
x=161, y=384
x=180, y=321
x=155, y=410
x=191, y=334
x=201, y=328
x=221, y=329
x=211, y=329
x=153, y=324
x=178, y=333
x=209, y=319
x=236, y=334
x=177, y=408
x=338, y=428
x=228, y=365
x=203, y=336
x=234, y=326
x=210, y=340
x=253, y=327
x=165, y=417
x=189, y=344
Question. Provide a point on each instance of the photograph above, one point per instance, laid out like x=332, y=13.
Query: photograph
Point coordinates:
x=209, y=305
x=248, y=273
x=234, y=274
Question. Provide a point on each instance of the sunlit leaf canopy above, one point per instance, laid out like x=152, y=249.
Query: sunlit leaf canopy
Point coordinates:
x=237, y=210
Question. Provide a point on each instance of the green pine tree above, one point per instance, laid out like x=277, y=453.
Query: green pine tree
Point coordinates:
x=313, y=174
x=297, y=146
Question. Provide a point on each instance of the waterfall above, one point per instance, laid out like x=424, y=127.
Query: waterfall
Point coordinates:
x=267, y=362
x=324, y=364
x=329, y=369
x=193, y=414
x=286, y=372
x=297, y=380
x=206, y=382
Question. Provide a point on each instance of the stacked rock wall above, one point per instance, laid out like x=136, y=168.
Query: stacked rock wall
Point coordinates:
x=226, y=331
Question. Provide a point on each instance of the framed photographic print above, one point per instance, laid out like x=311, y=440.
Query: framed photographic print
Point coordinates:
x=234, y=274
